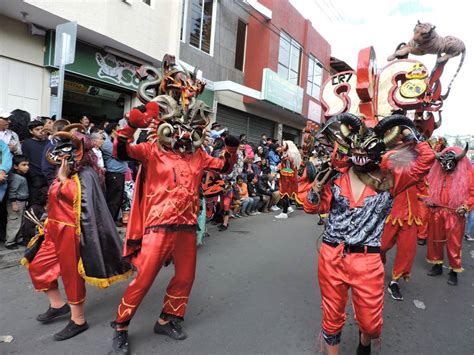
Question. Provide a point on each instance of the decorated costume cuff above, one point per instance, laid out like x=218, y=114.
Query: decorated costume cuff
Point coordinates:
x=331, y=339
x=312, y=197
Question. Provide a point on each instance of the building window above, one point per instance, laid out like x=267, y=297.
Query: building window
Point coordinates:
x=148, y=2
x=315, y=77
x=289, y=59
x=240, y=45
x=202, y=12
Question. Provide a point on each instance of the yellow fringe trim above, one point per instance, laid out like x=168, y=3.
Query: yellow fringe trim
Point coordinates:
x=24, y=262
x=456, y=269
x=101, y=283
x=294, y=196
x=400, y=222
x=403, y=275
x=77, y=204
x=435, y=262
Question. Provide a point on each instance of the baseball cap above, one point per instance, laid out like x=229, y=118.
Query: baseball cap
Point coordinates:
x=5, y=114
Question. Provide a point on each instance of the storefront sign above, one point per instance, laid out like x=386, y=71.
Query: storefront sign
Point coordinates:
x=96, y=64
x=281, y=92
x=54, y=79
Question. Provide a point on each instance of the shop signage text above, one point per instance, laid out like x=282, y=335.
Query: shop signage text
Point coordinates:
x=281, y=92
x=93, y=63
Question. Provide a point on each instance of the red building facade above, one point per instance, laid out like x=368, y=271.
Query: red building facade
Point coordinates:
x=264, y=46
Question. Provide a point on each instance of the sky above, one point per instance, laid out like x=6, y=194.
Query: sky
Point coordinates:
x=350, y=25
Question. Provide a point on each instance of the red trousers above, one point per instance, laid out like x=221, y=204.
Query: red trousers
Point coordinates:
x=364, y=275
x=423, y=229
x=405, y=239
x=445, y=228
x=59, y=256
x=157, y=248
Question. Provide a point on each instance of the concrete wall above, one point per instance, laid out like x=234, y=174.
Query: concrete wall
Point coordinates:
x=153, y=30
x=16, y=43
x=24, y=83
x=220, y=65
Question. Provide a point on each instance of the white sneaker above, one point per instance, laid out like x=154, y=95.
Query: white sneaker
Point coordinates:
x=274, y=208
x=257, y=212
x=282, y=216
x=291, y=209
x=253, y=213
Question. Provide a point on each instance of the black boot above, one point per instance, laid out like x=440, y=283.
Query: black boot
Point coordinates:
x=71, y=330
x=363, y=349
x=172, y=329
x=53, y=313
x=421, y=241
x=120, y=345
x=436, y=270
x=453, y=278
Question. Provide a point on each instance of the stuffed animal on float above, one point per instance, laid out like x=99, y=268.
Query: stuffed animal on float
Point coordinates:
x=426, y=41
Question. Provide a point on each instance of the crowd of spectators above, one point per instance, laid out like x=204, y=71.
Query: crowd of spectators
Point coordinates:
x=252, y=187
x=25, y=174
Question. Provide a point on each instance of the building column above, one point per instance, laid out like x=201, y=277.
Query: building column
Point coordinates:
x=279, y=131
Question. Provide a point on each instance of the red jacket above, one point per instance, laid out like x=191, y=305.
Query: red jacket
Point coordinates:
x=167, y=187
x=404, y=177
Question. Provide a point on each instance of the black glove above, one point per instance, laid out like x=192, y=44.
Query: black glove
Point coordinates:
x=232, y=141
x=141, y=108
x=414, y=136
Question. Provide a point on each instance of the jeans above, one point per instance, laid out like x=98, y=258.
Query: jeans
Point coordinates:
x=245, y=203
x=469, y=223
x=254, y=204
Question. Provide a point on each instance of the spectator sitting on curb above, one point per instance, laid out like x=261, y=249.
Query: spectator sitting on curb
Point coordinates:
x=255, y=197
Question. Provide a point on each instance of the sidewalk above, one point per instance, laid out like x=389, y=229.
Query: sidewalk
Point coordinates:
x=10, y=258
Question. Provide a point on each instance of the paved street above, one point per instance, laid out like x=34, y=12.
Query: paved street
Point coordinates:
x=255, y=293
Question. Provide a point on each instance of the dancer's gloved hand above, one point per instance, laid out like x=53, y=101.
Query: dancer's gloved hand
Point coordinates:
x=232, y=141
x=141, y=117
x=412, y=135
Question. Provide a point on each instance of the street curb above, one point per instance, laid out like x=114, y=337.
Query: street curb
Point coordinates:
x=10, y=258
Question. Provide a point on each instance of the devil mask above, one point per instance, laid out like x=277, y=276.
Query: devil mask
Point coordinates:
x=449, y=159
x=182, y=118
x=67, y=146
x=363, y=145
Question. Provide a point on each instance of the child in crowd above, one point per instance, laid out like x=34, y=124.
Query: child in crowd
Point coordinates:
x=17, y=196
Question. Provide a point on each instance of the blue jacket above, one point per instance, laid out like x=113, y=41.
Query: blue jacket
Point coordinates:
x=5, y=165
x=273, y=158
x=5, y=157
x=112, y=164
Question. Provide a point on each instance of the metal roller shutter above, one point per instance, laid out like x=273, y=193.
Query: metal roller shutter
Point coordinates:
x=258, y=126
x=239, y=122
x=234, y=120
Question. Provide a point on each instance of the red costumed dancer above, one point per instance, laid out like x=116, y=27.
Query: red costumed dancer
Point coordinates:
x=290, y=162
x=451, y=196
x=401, y=230
x=424, y=214
x=358, y=199
x=166, y=200
x=80, y=242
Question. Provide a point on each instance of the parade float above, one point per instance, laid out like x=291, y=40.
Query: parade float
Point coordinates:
x=405, y=86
